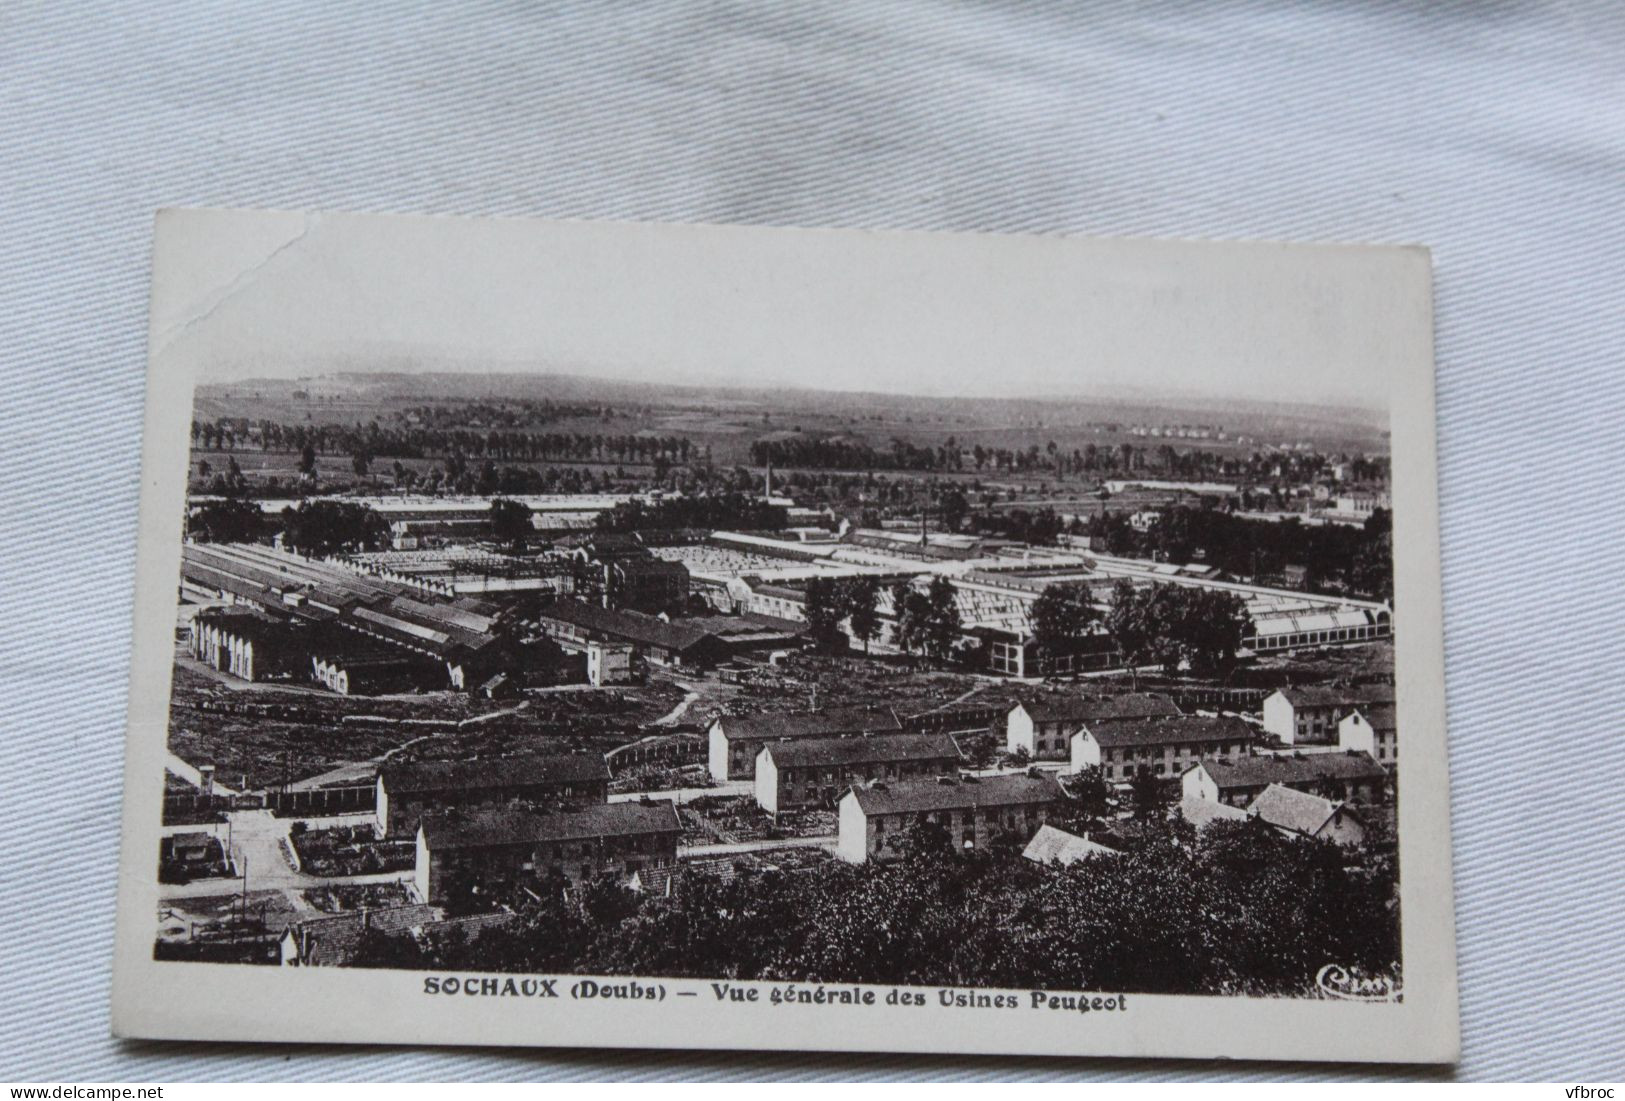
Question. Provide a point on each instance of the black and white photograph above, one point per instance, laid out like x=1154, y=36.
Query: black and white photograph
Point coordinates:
x=1010, y=640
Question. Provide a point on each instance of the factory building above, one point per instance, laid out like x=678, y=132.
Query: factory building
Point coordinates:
x=347, y=631
x=245, y=643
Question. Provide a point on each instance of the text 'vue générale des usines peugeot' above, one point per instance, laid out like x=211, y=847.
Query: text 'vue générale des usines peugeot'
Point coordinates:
x=477, y=986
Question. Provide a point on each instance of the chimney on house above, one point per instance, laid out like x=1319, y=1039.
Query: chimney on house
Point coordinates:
x=205, y=780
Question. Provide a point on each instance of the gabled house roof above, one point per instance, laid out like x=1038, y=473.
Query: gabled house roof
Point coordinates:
x=1056, y=846
x=1296, y=811
x=1059, y=707
x=1379, y=716
x=922, y=796
x=1179, y=730
x=1202, y=813
x=1326, y=696
x=508, y=826
x=857, y=749
x=1251, y=772
x=332, y=941
x=809, y=724
x=494, y=772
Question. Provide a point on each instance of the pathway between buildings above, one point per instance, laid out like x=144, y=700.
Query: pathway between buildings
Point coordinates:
x=686, y=795
x=257, y=840
x=671, y=717
x=701, y=852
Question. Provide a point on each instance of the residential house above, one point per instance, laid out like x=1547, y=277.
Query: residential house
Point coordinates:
x=406, y=792
x=973, y=811
x=1165, y=747
x=1310, y=715
x=1301, y=814
x=1043, y=726
x=811, y=772
x=1352, y=777
x=736, y=740
x=489, y=852
x=332, y=940
x=1371, y=728
x=336, y=940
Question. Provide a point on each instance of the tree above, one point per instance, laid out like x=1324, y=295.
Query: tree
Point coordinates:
x=1127, y=623
x=360, y=463
x=320, y=528
x=228, y=521
x=307, y=461
x=1062, y=616
x=824, y=612
x=941, y=619
x=863, y=609
x=1211, y=627
x=511, y=523
x=906, y=608
x=954, y=507
x=1090, y=792
x=1149, y=793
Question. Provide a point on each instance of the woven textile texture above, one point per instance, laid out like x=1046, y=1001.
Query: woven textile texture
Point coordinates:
x=1492, y=132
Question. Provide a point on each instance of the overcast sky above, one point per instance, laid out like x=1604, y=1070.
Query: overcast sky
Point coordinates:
x=239, y=295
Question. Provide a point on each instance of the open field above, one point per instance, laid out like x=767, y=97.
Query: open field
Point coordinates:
x=727, y=422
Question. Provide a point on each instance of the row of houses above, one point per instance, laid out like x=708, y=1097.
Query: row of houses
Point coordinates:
x=1291, y=813
x=1130, y=731
x=484, y=854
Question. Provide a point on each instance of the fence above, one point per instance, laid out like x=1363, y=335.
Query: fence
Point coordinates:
x=322, y=802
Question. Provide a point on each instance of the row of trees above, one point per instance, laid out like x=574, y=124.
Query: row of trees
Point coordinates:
x=927, y=621
x=731, y=511
x=1162, y=461
x=1174, y=625
x=418, y=441
x=1237, y=910
x=830, y=600
x=1334, y=557
x=1166, y=625
x=314, y=528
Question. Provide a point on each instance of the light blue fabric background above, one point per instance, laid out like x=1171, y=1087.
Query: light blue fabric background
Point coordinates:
x=1494, y=132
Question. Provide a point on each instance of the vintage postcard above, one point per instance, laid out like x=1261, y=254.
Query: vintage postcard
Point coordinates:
x=569, y=633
